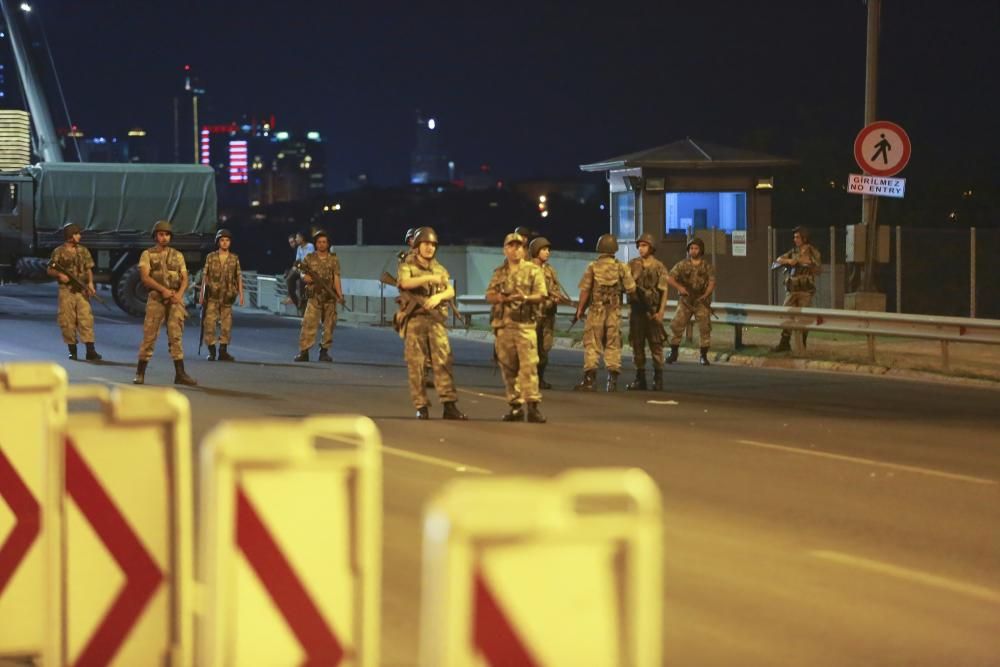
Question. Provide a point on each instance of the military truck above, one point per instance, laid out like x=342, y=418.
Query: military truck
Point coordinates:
x=116, y=205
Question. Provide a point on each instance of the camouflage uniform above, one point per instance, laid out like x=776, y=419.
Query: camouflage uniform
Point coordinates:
x=222, y=286
x=605, y=279
x=695, y=279
x=74, y=314
x=321, y=307
x=800, y=281
x=514, y=326
x=166, y=268
x=545, y=329
x=650, y=277
x=425, y=338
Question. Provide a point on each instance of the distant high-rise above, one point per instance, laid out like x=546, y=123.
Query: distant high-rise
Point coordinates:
x=428, y=163
x=186, y=132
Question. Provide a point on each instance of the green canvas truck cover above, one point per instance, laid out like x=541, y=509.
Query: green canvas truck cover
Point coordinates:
x=125, y=197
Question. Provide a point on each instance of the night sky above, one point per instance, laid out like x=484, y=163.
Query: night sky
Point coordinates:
x=535, y=89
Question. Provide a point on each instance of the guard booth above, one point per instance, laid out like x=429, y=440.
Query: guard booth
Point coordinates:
x=691, y=188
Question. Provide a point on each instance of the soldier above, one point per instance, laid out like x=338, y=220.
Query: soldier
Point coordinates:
x=324, y=295
x=425, y=286
x=221, y=283
x=72, y=265
x=601, y=287
x=404, y=256
x=540, y=250
x=516, y=290
x=647, y=310
x=694, y=280
x=802, y=264
x=165, y=276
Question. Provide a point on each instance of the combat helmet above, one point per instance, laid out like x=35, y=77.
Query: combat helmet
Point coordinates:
x=223, y=232
x=526, y=232
x=317, y=232
x=409, y=235
x=646, y=238
x=607, y=244
x=425, y=235
x=513, y=237
x=698, y=242
x=537, y=245
x=162, y=226
x=71, y=228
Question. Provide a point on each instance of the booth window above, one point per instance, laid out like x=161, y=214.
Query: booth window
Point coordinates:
x=623, y=215
x=687, y=211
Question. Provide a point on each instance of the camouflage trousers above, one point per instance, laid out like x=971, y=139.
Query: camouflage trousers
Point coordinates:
x=426, y=346
x=74, y=315
x=797, y=300
x=517, y=354
x=318, y=313
x=702, y=314
x=545, y=332
x=221, y=314
x=645, y=330
x=602, y=336
x=156, y=313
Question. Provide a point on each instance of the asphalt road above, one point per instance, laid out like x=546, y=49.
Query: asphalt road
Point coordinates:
x=809, y=518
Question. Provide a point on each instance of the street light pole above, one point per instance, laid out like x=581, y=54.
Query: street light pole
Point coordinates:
x=869, y=204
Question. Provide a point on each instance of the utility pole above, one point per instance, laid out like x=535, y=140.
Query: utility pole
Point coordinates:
x=869, y=203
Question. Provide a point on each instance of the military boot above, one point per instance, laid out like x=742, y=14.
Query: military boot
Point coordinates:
x=324, y=355
x=535, y=415
x=92, y=353
x=612, y=381
x=302, y=356
x=657, y=379
x=542, y=384
x=783, y=345
x=587, y=383
x=224, y=353
x=516, y=413
x=72, y=351
x=672, y=357
x=140, y=372
x=180, y=377
x=704, y=357
x=639, y=384
x=451, y=411
x=423, y=413
x=211, y=353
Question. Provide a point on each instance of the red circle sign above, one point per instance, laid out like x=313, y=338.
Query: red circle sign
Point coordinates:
x=882, y=149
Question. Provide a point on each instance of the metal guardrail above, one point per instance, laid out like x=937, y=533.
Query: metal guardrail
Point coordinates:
x=869, y=324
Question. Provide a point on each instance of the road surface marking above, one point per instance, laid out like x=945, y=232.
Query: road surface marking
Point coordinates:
x=12, y=354
x=97, y=378
x=906, y=574
x=484, y=395
x=855, y=459
x=108, y=318
x=435, y=461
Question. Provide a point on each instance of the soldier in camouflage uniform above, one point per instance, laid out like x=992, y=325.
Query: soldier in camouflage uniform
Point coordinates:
x=401, y=257
x=425, y=287
x=540, y=249
x=164, y=274
x=321, y=309
x=802, y=264
x=601, y=288
x=647, y=310
x=74, y=315
x=694, y=280
x=516, y=290
x=221, y=284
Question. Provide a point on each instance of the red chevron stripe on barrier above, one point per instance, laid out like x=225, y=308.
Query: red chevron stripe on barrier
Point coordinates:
x=493, y=634
x=142, y=576
x=283, y=585
x=29, y=520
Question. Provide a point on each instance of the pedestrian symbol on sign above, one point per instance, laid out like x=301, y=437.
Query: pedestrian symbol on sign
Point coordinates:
x=883, y=149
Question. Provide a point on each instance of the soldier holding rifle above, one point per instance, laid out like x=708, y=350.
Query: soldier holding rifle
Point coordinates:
x=647, y=309
x=694, y=280
x=540, y=250
x=72, y=265
x=321, y=274
x=802, y=264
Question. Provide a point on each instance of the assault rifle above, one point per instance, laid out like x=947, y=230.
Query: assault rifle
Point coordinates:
x=409, y=303
x=388, y=279
x=321, y=285
x=76, y=283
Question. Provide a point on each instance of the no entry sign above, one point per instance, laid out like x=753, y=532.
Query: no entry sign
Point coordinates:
x=882, y=149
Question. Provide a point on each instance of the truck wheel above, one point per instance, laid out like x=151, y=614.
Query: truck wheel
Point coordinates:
x=130, y=293
x=33, y=268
